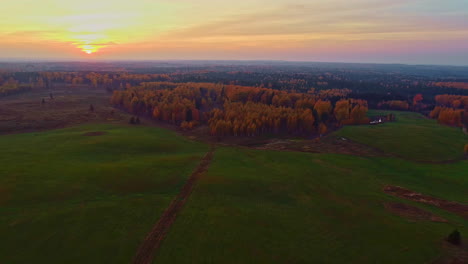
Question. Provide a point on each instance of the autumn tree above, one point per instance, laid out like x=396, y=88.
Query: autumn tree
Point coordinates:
x=238, y=110
x=358, y=114
x=342, y=110
x=449, y=116
x=323, y=109
x=417, y=99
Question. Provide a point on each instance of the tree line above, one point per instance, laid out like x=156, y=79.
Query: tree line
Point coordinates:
x=241, y=110
x=451, y=110
x=10, y=86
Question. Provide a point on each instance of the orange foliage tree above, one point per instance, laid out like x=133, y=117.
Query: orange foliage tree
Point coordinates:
x=451, y=110
x=239, y=110
x=417, y=99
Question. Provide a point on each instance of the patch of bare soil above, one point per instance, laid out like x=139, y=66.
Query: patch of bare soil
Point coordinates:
x=153, y=240
x=329, y=144
x=454, y=207
x=453, y=254
x=412, y=212
x=94, y=134
x=326, y=144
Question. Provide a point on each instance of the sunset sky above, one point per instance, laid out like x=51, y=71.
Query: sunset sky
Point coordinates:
x=389, y=31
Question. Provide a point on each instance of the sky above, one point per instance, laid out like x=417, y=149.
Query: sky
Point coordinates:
x=381, y=31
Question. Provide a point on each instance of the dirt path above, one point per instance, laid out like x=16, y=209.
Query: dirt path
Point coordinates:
x=153, y=240
x=454, y=207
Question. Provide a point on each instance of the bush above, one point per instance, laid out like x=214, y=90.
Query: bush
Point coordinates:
x=454, y=238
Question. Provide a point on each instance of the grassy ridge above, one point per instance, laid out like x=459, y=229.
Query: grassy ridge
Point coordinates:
x=70, y=198
x=285, y=207
x=412, y=136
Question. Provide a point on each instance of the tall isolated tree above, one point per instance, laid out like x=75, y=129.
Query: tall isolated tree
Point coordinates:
x=417, y=99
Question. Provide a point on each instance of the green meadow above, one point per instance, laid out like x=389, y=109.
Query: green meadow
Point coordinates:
x=412, y=136
x=67, y=197
x=90, y=194
x=283, y=207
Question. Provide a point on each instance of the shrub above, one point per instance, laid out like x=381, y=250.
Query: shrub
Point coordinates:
x=454, y=238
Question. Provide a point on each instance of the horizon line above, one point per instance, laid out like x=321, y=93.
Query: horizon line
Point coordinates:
x=94, y=60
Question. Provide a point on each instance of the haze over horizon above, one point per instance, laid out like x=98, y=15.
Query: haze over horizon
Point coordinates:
x=363, y=31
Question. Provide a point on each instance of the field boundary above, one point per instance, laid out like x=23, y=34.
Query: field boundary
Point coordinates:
x=153, y=240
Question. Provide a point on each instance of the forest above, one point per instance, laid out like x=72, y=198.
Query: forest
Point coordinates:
x=451, y=110
x=242, y=110
x=280, y=97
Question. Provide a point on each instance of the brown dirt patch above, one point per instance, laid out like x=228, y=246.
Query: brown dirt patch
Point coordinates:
x=454, y=207
x=412, y=212
x=328, y=144
x=453, y=254
x=94, y=134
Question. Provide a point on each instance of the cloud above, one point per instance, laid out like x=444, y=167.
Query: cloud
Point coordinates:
x=276, y=29
x=326, y=21
x=110, y=43
x=25, y=35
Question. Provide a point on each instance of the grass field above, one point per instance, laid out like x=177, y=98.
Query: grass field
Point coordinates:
x=21, y=113
x=284, y=207
x=412, y=136
x=90, y=194
x=70, y=198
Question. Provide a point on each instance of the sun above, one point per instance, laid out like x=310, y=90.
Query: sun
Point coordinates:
x=89, y=49
x=90, y=43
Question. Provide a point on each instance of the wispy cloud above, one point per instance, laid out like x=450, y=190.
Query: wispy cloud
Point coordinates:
x=279, y=29
x=360, y=19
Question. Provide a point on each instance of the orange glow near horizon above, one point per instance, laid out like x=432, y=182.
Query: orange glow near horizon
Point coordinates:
x=406, y=31
x=89, y=49
x=90, y=42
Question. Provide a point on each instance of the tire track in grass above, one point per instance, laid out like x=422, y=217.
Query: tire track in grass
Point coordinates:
x=153, y=240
